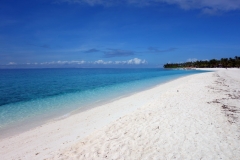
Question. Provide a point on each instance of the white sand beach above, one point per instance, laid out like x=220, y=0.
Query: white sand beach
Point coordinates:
x=194, y=117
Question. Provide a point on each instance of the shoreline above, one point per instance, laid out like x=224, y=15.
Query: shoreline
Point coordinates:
x=55, y=138
x=33, y=122
x=31, y=126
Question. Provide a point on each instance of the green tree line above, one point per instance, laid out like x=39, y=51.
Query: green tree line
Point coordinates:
x=213, y=63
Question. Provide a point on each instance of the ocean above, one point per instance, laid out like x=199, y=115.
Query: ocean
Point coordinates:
x=33, y=95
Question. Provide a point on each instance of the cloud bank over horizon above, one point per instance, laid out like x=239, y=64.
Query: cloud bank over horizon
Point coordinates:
x=131, y=62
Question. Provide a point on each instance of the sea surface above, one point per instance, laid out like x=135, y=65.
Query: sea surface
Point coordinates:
x=28, y=95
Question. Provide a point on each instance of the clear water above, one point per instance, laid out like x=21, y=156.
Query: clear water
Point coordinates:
x=28, y=94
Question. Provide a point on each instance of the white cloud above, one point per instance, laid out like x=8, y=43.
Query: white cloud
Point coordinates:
x=102, y=62
x=92, y=2
x=62, y=62
x=191, y=59
x=12, y=63
x=78, y=62
x=134, y=61
x=207, y=6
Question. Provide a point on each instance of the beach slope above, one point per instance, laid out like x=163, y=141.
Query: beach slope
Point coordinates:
x=194, y=117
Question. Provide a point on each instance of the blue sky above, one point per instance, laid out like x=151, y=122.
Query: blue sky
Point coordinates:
x=116, y=33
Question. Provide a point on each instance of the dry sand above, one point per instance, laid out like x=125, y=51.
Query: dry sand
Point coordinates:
x=194, y=117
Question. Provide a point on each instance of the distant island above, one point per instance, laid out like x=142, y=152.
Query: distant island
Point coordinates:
x=213, y=63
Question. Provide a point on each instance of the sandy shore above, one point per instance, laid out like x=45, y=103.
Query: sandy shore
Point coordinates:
x=194, y=117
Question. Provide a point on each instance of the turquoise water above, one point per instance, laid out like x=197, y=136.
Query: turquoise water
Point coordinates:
x=28, y=94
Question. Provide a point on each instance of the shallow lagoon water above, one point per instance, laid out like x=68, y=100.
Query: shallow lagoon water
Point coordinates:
x=42, y=94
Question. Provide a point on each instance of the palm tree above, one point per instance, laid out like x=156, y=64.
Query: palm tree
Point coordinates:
x=237, y=61
x=223, y=62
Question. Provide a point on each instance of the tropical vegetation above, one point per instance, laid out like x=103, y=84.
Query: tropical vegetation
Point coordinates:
x=213, y=63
